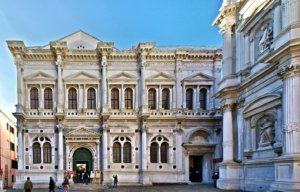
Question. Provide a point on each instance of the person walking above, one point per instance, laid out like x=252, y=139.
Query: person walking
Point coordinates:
x=28, y=185
x=115, y=181
x=66, y=184
x=86, y=177
x=51, y=185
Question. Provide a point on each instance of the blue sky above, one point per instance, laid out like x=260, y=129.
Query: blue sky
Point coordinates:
x=124, y=22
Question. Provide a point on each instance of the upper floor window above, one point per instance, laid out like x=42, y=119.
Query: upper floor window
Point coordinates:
x=159, y=150
x=72, y=98
x=115, y=98
x=48, y=98
x=189, y=98
x=34, y=98
x=166, y=99
x=152, y=98
x=91, y=98
x=128, y=98
x=203, y=98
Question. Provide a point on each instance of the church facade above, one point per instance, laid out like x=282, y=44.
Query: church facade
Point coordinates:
x=259, y=92
x=145, y=114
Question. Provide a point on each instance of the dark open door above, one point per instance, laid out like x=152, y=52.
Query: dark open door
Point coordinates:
x=196, y=168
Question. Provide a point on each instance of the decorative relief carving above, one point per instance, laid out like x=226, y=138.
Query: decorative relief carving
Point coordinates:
x=265, y=39
x=266, y=131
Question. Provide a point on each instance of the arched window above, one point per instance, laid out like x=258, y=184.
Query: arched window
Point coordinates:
x=36, y=152
x=91, y=98
x=166, y=99
x=203, y=96
x=189, y=98
x=48, y=98
x=164, y=149
x=115, y=98
x=47, y=152
x=72, y=98
x=128, y=98
x=152, y=98
x=127, y=152
x=34, y=98
x=117, y=152
x=154, y=152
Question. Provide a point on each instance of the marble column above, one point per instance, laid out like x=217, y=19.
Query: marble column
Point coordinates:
x=277, y=18
x=59, y=85
x=19, y=62
x=291, y=108
x=290, y=12
x=104, y=148
x=183, y=96
x=20, y=146
x=98, y=155
x=144, y=101
x=227, y=51
x=104, y=84
x=60, y=148
x=159, y=97
x=173, y=98
x=227, y=133
x=247, y=51
x=144, y=149
x=122, y=97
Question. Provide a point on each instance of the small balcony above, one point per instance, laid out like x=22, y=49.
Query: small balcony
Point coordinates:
x=40, y=113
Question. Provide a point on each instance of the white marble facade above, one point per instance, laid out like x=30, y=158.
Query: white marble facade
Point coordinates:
x=152, y=103
x=259, y=92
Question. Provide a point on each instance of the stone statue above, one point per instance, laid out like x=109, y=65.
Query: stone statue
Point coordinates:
x=265, y=39
x=266, y=131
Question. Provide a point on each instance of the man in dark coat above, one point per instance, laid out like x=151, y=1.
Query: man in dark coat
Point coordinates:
x=51, y=185
x=28, y=185
x=115, y=181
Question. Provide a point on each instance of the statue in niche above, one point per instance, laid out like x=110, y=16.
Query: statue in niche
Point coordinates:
x=265, y=39
x=266, y=131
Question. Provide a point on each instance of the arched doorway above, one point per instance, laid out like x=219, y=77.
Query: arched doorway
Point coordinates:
x=82, y=161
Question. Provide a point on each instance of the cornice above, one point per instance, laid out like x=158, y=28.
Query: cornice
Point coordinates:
x=226, y=11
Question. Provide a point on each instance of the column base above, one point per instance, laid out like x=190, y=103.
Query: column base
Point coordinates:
x=20, y=180
x=60, y=178
x=144, y=179
x=287, y=173
x=230, y=174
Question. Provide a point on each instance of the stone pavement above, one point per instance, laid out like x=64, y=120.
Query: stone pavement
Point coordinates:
x=155, y=188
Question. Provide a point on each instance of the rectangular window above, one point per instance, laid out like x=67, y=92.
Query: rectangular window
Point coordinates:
x=12, y=146
x=14, y=164
x=12, y=130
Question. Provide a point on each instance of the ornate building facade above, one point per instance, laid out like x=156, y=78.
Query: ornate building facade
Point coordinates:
x=259, y=93
x=146, y=114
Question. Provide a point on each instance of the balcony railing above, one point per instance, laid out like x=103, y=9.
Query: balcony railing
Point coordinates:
x=40, y=112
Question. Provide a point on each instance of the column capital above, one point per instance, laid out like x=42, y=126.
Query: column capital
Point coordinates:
x=289, y=71
x=227, y=107
x=58, y=60
x=104, y=61
x=60, y=127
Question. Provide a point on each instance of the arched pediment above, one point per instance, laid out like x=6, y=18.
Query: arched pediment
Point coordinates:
x=261, y=104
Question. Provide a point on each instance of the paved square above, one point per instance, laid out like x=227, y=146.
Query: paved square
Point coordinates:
x=155, y=188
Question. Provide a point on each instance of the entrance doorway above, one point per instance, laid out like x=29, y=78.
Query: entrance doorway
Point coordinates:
x=82, y=161
x=196, y=168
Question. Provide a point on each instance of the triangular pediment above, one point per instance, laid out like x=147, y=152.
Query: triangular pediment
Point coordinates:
x=79, y=40
x=123, y=76
x=161, y=77
x=199, y=77
x=39, y=76
x=82, y=132
x=80, y=76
